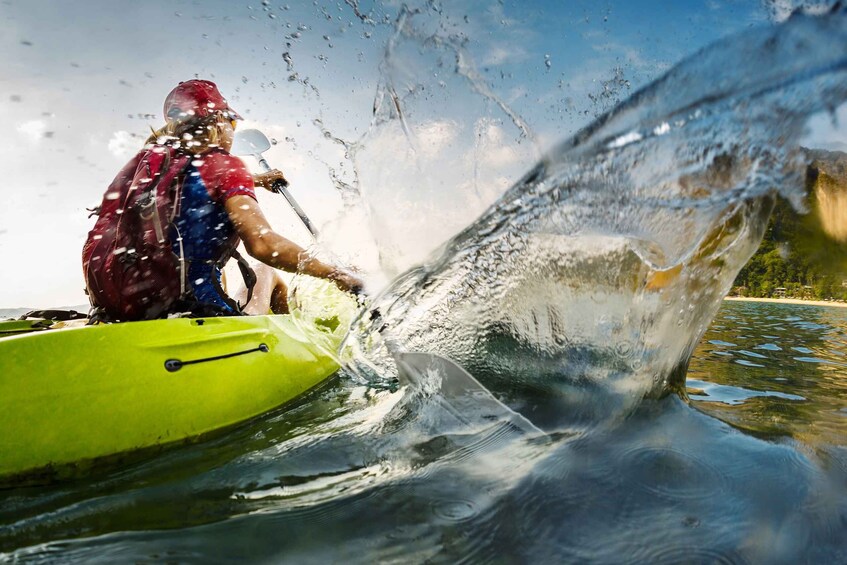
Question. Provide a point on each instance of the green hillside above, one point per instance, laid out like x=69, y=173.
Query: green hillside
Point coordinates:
x=805, y=256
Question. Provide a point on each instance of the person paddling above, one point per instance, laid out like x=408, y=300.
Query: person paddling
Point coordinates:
x=175, y=214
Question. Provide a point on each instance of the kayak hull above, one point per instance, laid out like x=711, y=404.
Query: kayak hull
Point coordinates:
x=73, y=396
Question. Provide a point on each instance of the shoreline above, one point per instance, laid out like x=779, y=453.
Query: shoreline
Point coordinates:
x=788, y=301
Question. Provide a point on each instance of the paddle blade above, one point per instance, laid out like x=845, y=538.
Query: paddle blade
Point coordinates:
x=249, y=142
x=459, y=392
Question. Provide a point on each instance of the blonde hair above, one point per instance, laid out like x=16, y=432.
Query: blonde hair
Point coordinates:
x=196, y=134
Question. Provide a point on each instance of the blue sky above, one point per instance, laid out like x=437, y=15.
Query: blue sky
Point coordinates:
x=83, y=82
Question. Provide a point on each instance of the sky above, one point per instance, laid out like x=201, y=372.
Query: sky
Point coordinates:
x=484, y=87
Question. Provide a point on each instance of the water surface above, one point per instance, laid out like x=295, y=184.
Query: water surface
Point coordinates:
x=753, y=470
x=775, y=370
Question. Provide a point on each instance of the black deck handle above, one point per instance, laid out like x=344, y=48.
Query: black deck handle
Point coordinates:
x=174, y=365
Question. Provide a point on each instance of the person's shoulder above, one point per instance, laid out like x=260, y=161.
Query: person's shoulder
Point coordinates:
x=227, y=175
x=221, y=160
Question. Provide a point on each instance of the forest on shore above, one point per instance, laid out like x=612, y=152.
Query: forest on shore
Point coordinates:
x=804, y=255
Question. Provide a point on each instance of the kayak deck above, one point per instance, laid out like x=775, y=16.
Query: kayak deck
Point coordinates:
x=77, y=395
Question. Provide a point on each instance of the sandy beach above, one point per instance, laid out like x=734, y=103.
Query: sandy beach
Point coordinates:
x=789, y=301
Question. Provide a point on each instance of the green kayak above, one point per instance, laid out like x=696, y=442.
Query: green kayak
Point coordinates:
x=72, y=397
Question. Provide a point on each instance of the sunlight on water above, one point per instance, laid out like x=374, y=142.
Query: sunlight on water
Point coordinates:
x=799, y=370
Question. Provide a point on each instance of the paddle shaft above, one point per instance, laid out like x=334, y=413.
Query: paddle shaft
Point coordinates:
x=280, y=187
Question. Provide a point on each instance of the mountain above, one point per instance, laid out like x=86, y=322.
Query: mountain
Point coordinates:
x=805, y=255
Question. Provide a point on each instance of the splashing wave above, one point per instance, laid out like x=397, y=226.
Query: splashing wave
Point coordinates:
x=600, y=270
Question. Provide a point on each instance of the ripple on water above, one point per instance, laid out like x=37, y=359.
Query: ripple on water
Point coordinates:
x=811, y=326
x=780, y=464
x=732, y=395
x=686, y=553
x=751, y=354
x=747, y=363
x=454, y=510
x=818, y=360
x=582, y=472
x=673, y=474
x=320, y=498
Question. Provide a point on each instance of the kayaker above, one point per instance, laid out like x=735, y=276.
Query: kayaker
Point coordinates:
x=215, y=207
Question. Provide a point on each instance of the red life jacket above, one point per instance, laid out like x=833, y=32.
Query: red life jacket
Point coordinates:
x=131, y=271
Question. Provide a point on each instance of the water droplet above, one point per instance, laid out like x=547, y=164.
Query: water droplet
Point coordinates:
x=691, y=522
x=623, y=349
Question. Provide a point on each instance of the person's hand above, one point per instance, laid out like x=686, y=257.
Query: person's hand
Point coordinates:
x=347, y=281
x=268, y=179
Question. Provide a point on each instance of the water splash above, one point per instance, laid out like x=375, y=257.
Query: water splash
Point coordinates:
x=593, y=278
x=435, y=119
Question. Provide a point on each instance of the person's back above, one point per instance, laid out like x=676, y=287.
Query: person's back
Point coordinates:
x=203, y=233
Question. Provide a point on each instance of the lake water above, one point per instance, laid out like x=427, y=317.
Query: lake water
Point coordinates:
x=753, y=470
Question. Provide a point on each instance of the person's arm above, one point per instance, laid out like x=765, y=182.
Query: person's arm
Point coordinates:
x=264, y=244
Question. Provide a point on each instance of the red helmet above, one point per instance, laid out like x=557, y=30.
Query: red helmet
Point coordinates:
x=196, y=98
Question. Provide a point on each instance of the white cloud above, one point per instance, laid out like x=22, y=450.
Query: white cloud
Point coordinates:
x=827, y=130
x=435, y=136
x=123, y=144
x=781, y=10
x=494, y=150
x=33, y=129
x=498, y=55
